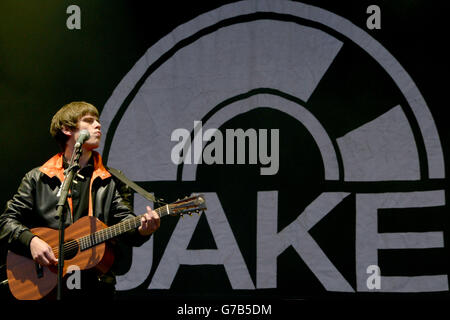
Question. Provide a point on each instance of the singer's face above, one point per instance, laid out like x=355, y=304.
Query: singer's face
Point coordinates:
x=90, y=123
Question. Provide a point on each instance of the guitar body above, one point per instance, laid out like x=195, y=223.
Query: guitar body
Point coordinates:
x=28, y=281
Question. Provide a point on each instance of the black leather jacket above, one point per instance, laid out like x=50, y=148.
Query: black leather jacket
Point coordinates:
x=34, y=204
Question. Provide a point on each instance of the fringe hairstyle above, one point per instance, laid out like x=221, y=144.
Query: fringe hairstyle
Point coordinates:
x=68, y=117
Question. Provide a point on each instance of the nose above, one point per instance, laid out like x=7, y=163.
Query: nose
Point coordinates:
x=97, y=124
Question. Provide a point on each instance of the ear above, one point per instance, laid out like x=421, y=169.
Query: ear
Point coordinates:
x=67, y=131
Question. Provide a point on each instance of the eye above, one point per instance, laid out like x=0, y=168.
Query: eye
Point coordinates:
x=89, y=119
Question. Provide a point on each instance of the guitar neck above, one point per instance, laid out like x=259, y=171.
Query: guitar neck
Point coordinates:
x=116, y=230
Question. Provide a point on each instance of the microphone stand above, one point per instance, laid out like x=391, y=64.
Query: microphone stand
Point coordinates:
x=64, y=194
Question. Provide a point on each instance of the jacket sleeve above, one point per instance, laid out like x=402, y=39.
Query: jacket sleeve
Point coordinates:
x=14, y=219
x=121, y=209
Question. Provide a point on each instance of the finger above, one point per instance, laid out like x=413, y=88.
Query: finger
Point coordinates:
x=151, y=213
x=154, y=224
x=143, y=222
x=42, y=260
x=52, y=258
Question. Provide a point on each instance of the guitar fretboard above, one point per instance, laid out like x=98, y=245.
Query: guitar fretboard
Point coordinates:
x=126, y=225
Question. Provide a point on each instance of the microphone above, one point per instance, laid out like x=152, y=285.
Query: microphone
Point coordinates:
x=84, y=135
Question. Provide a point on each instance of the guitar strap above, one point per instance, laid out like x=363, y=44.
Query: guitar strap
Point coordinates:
x=147, y=195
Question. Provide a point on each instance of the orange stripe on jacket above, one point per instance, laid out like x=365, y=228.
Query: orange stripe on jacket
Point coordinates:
x=54, y=167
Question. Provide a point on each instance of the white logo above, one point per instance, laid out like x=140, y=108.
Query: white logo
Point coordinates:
x=277, y=66
x=374, y=280
x=256, y=142
x=74, y=279
x=74, y=20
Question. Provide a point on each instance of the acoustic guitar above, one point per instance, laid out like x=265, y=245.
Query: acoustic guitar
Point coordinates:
x=84, y=247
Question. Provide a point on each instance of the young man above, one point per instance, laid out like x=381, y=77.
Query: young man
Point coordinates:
x=95, y=192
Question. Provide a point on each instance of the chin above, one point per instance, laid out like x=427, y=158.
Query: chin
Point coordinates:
x=91, y=146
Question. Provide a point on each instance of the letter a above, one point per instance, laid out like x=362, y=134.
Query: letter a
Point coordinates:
x=74, y=280
x=374, y=280
x=374, y=20
x=74, y=20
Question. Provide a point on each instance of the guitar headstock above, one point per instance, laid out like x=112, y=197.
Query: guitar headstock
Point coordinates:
x=188, y=205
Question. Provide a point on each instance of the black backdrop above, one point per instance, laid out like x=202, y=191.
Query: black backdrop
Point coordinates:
x=43, y=65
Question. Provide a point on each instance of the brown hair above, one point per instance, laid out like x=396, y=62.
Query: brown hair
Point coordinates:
x=68, y=116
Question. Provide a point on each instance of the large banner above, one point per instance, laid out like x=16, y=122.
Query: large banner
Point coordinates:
x=321, y=159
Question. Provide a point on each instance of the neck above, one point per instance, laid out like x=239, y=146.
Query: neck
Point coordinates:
x=85, y=155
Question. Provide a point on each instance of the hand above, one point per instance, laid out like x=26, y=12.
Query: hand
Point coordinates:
x=42, y=253
x=149, y=222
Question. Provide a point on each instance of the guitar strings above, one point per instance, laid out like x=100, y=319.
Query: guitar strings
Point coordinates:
x=67, y=246
x=73, y=244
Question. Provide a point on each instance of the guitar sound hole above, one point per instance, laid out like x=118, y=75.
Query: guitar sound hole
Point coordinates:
x=71, y=248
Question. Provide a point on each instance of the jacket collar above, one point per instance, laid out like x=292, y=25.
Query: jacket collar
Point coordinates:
x=54, y=167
